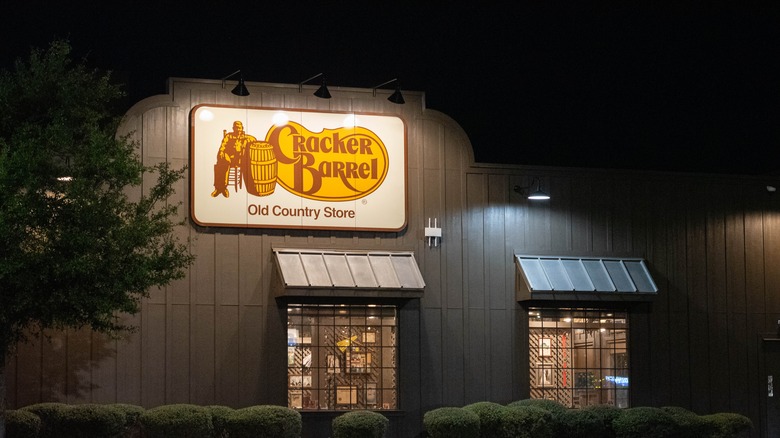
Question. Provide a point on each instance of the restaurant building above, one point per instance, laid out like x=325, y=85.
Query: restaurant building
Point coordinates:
x=352, y=255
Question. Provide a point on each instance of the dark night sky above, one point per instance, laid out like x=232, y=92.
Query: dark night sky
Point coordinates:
x=661, y=88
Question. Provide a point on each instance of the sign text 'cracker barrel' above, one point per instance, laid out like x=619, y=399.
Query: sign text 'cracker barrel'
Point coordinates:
x=331, y=165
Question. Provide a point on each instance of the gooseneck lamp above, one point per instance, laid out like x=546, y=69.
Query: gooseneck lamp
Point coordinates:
x=321, y=92
x=396, y=97
x=240, y=89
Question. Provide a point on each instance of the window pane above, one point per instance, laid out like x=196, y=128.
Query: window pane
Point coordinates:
x=579, y=357
x=341, y=357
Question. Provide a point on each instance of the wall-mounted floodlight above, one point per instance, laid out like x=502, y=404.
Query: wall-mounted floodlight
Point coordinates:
x=321, y=92
x=396, y=97
x=240, y=88
x=537, y=194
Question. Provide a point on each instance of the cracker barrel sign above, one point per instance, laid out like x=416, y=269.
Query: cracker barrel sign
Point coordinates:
x=273, y=168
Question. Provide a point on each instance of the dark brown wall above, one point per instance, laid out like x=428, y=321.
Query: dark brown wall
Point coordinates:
x=216, y=337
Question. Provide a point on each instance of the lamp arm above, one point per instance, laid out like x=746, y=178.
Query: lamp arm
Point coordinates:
x=384, y=83
x=300, y=84
x=231, y=75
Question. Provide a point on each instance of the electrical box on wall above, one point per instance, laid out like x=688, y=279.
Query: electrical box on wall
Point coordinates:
x=433, y=233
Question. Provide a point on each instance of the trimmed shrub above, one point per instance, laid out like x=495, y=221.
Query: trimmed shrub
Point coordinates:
x=90, y=420
x=360, y=424
x=580, y=423
x=556, y=409
x=689, y=424
x=265, y=421
x=50, y=414
x=451, y=422
x=606, y=414
x=22, y=424
x=132, y=415
x=551, y=406
x=526, y=421
x=219, y=416
x=644, y=422
x=177, y=421
x=728, y=424
x=490, y=418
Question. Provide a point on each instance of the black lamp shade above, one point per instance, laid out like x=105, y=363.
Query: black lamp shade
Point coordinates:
x=322, y=92
x=240, y=89
x=397, y=97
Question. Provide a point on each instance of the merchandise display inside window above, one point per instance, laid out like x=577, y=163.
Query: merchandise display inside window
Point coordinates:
x=579, y=357
x=341, y=357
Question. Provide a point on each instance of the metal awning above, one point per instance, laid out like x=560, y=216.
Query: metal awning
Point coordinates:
x=326, y=272
x=577, y=278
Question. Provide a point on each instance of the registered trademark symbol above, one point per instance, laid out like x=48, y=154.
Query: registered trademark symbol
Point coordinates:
x=364, y=201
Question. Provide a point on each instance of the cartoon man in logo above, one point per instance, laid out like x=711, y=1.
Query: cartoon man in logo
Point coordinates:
x=229, y=156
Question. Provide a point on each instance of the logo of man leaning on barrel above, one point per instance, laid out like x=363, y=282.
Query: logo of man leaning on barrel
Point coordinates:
x=331, y=165
x=228, y=166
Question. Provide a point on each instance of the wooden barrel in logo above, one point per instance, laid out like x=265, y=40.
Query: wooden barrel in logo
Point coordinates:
x=262, y=169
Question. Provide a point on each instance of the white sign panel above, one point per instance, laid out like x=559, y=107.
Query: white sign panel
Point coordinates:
x=274, y=168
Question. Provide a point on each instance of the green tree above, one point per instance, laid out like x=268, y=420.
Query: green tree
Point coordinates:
x=81, y=239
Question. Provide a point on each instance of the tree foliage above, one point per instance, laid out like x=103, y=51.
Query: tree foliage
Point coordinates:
x=76, y=251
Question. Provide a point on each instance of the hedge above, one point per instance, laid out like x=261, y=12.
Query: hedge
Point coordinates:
x=219, y=419
x=606, y=414
x=491, y=417
x=50, y=420
x=177, y=421
x=524, y=418
x=85, y=420
x=689, y=424
x=360, y=424
x=91, y=420
x=527, y=421
x=132, y=418
x=728, y=424
x=644, y=422
x=551, y=406
x=556, y=410
x=22, y=424
x=581, y=423
x=49, y=413
x=265, y=421
x=451, y=422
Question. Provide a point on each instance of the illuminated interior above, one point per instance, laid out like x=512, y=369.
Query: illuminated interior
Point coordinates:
x=341, y=357
x=579, y=357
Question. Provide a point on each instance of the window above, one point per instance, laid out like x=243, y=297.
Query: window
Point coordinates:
x=579, y=357
x=342, y=357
